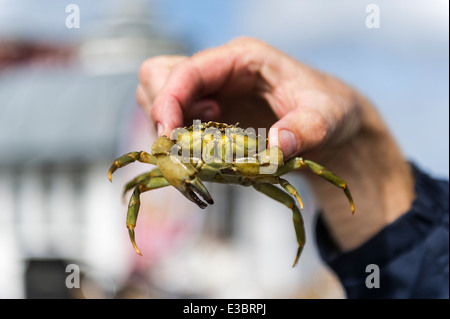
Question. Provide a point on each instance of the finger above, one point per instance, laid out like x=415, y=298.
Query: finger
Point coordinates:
x=154, y=71
x=152, y=75
x=226, y=70
x=185, y=84
x=299, y=131
x=143, y=99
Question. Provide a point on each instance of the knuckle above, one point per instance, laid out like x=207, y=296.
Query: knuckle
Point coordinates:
x=244, y=40
x=320, y=126
x=249, y=43
x=154, y=67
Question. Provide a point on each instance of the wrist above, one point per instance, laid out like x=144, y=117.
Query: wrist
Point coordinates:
x=378, y=176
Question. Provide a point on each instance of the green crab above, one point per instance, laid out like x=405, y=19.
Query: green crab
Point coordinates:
x=220, y=153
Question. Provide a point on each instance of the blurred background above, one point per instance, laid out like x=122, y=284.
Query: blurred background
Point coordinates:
x=68, y=108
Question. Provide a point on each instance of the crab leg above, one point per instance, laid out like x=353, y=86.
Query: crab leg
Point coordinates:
x=142, y=186
x=128, y=158
x=291, y=190
x=298, y=162
x=332, y=178
x=284, y=198
x=142, y=177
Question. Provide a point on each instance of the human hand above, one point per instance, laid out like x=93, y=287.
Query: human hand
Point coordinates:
x=250, y=82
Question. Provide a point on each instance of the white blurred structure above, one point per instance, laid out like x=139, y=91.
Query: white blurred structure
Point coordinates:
x=60, y=127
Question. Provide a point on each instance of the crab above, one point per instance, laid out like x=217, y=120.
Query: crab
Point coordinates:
x=219, y=153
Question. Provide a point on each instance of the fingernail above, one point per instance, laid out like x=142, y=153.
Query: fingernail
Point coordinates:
x=273, y=137
x=159, y=129
x=288, y=143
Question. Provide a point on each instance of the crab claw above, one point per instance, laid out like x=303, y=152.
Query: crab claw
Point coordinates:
x=133, y=240
x=194, y=187
x=181, y=175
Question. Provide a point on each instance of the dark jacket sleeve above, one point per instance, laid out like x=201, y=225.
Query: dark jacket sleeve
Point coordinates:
x=411, y=255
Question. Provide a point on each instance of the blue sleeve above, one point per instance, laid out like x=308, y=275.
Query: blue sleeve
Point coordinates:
x=410, y=255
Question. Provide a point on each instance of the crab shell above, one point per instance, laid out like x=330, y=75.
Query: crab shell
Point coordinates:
x=220, y=153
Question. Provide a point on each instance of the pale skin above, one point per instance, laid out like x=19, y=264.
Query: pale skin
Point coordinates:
x=315, y=114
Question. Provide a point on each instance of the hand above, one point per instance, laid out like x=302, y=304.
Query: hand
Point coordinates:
x=250, y=82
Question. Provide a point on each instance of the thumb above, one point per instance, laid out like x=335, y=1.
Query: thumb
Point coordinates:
x=299, y=131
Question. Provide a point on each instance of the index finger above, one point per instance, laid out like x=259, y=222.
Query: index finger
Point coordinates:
x=223, y=70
